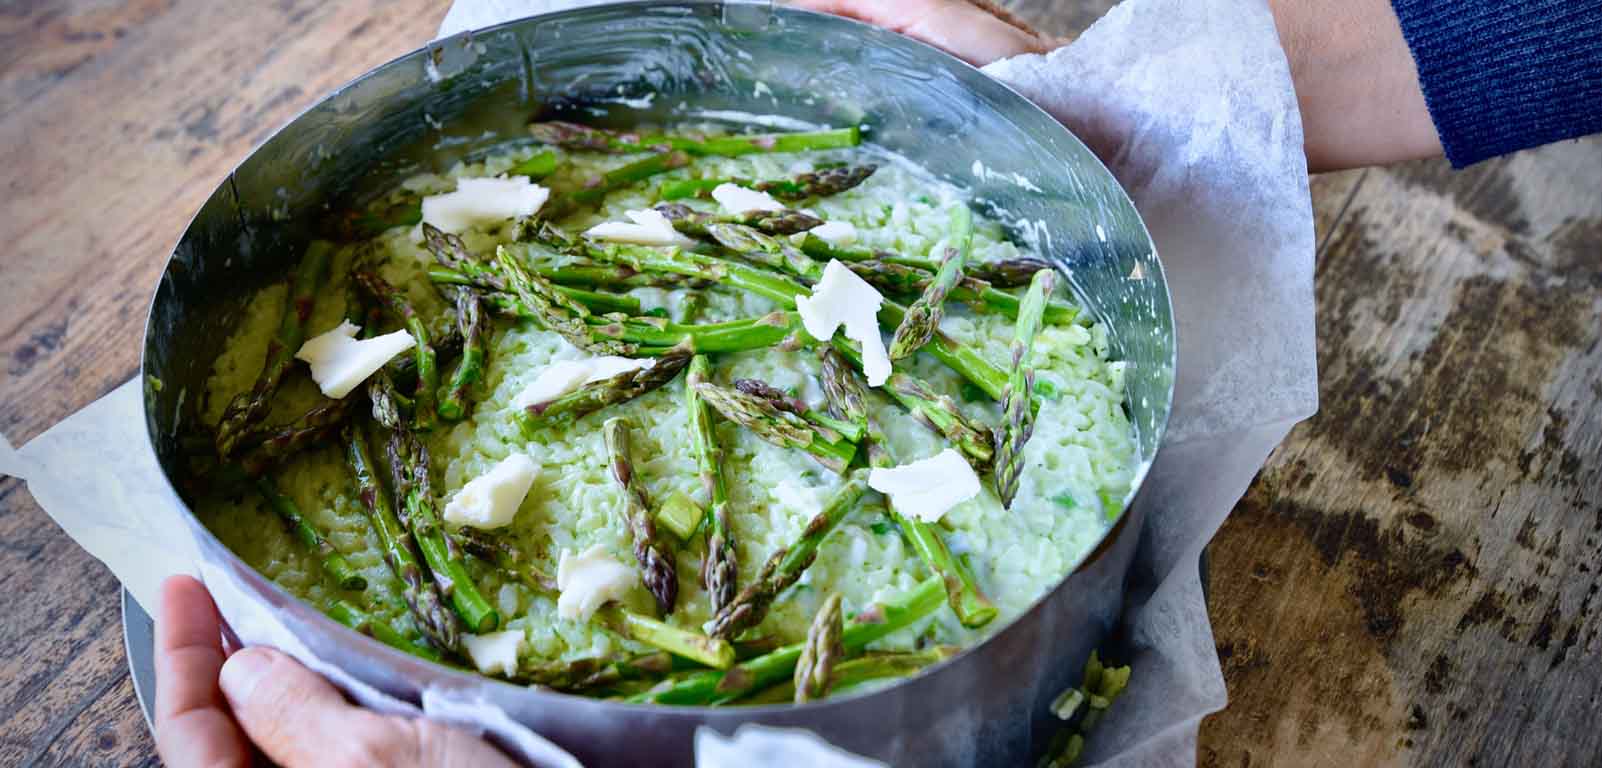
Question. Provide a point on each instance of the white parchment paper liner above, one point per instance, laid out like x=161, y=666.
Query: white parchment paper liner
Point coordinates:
x=1190, y=104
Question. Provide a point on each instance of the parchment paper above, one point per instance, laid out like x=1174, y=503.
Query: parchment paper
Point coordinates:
x=1190, y=104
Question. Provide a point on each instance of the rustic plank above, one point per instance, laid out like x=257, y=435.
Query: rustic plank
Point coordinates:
x=1412, y=576
x=117, y=119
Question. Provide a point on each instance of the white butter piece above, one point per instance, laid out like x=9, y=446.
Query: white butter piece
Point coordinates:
x=564, y=376
x=495, y=652
x=590, y=580
x=491, y=500
x=927, y=488
x=483, y=201
x=645, y=227
x=842, y=298
x=736, y=199
x=836, y=232
x=339, y=361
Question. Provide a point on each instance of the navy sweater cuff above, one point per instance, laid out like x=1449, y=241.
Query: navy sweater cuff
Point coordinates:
x=1502, y=75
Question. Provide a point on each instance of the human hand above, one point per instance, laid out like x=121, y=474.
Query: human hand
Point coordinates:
x=218, y=710
x=976, y=32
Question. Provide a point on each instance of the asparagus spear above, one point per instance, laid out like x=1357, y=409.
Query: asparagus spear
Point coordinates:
x=583, y=137
x=421, y=596
x=902, y=279
x=423, y=353
x=937, y=412
x=409, y=464
x=334, y=564
x=264, y=449
x=1018, y=415
x=820, y=183
x=972, y=608
x=779, y=427
x=700, y=223
x=470, y=366
x=596, y=395
x=834, y=429
x=1001, y=273
x=845, y=393
x=821, y=652
x=923, y=317
x=720, y=687
x=462, y=267
x=348, y=614
x=851, y=674
x=720, y=568
x=959, y=357
x=249, y=408
x=785, y=566
x=711, y=651
x=553, y=310
x=537, y=166
x=650, y=551
x=505, y=557
x=596, y=189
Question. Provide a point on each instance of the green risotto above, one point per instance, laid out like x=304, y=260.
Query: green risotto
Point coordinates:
x=865, y=585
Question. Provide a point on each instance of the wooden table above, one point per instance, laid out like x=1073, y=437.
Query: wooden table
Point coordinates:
x=1412, y=578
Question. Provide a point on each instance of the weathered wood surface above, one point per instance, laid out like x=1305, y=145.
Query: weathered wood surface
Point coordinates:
x=1411, y=579
x=117, y=119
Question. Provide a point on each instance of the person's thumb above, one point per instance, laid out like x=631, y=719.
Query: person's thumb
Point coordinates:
x=297, y=719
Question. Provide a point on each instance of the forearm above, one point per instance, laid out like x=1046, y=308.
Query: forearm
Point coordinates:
x=1356, y=83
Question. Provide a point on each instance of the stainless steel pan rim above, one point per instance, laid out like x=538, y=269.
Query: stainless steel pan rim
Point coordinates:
x=471, y=48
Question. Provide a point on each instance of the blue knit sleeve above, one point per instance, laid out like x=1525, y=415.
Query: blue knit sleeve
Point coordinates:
x=1502, y=75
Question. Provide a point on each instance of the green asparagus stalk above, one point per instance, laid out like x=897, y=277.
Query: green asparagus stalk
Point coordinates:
x=680, y=514
x=851, y=674
x=1002, y=273
x=961, y=358
x=820, y=183
x=554, y=311
x=265, y=449
x=693, y=303
x=596, y=189
x=537, y=166
x=423, y=352
x=583, y=137
x=348, y=614
x=821, y=652
x=650, y=551
x=596, y=395
x=721, y=687
x=334, y=564
x=845, y=394
x=779, y=427
x=700, y=223
x=421, y=596
x=1018, y=415
x=598, y=302
x=784, y=567
x=719, y=570
x=470, y=366
x=409, y=464
x=972, y=608
x=923, y=316
x=833, y=429
x=937, y=412
x=902, y=279
x=500, y=553
x=711, y=651
x=249, y=408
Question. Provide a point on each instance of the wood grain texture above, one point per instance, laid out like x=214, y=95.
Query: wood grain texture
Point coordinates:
x=117, y=119
x=1411, y=579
